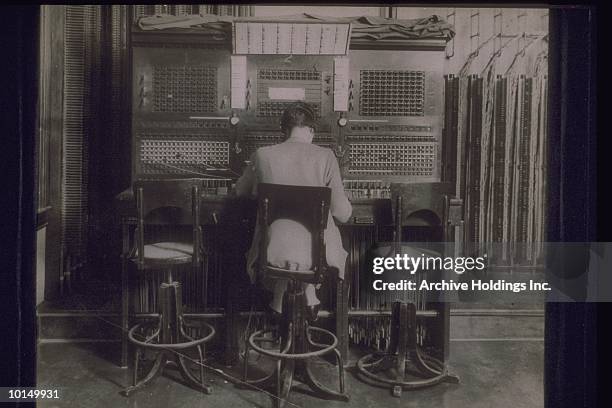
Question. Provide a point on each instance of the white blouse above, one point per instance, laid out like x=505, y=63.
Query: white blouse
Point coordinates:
x=297, y=162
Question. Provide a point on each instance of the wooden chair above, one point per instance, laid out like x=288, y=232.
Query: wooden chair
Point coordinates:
x=310, y=207
x=168, y=203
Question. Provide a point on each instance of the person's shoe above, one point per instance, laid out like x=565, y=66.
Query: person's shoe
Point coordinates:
x=313, y=312
x=272, y=312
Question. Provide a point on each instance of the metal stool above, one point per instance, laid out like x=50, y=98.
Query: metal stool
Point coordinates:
x=403, y=348
x=296, y=334
x=168, y=336
x=416, y=204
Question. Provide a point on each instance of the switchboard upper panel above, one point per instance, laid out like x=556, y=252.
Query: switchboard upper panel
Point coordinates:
x=395, y=116
x=180, y=110
x=178, y=82
x=275, y=81
x=379, y=110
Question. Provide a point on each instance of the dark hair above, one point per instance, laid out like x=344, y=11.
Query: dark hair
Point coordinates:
x=297, y=114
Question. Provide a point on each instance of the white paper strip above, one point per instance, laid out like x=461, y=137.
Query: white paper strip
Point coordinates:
x=255, y=38
x=241, y=39
x=313, y=39
x=328, y=38
x=341, y=83
x=291, y=38
x=238, y=81
x=299, y=39
x=270, y=38
x=342, y=39
x=285, y=33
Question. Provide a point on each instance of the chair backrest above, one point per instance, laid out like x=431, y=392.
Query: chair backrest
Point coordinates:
x=420, y=204
x=167, y=202
x=307, y=205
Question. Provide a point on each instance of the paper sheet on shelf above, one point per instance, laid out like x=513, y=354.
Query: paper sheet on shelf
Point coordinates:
x=270, y=38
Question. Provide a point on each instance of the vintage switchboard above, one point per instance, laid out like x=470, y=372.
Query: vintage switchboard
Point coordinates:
x=201, y=107
x=180, y=111
x=395, y=115
x=379, y=109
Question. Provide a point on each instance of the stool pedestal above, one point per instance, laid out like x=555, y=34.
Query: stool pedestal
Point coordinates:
x=292, y=360
x=403, y=349
x=169, y=338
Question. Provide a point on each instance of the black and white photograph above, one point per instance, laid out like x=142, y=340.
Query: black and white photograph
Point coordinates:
x=293, y=205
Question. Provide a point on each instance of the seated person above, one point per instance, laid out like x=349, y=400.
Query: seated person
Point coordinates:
x=296, y=161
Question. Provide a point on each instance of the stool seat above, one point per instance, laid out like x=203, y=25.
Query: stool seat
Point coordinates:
x=167, y=253
x=411, y=251
x=274, y=272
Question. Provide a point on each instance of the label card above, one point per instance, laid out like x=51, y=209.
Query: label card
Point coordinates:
x=287, y=94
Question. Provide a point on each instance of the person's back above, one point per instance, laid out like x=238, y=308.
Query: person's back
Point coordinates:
x=297, y=162
x=294, y=163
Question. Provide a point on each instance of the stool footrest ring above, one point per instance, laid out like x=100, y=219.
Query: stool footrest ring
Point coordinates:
x=427, y=365
x=328, y=348
x=181, y=345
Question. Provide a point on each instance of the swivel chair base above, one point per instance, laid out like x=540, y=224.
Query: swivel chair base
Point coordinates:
x=169, y=339
x=292, y=360
x=164, y=358
x=403, y=349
